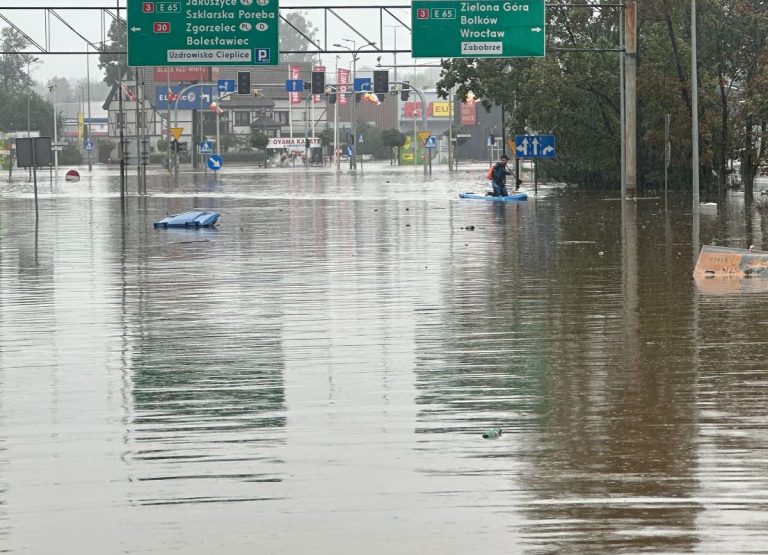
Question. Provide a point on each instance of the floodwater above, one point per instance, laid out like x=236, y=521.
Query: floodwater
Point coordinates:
x=315, y=375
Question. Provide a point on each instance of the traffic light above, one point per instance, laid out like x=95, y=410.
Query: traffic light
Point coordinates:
x=358, y=97
x=318, y=82
x=381, y=81
x=332, y=98
x=405, y=91
x=243, y=82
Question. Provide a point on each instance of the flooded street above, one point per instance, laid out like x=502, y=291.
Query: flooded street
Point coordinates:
x=315, y=374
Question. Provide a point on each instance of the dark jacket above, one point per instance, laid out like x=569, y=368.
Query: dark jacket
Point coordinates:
x=500, y=173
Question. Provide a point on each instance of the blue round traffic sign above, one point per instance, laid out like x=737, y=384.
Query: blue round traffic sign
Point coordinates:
x=215, y=162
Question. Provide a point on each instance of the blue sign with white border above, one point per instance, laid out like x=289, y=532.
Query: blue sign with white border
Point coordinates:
x=88, y=145
x=349, y=150
x=535, y=146
x=206, y=147
x=215, y=162
x=225, y=85
x=363, y=84
x=294, y=85
x=431, y=142
x=194, y=99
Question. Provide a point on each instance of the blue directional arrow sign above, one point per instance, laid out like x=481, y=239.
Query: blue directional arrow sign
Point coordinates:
x=225, y=85
x=215, y=162
x=431, y=142
x=88, y=145
x=206, y=147
x=363, y=84
x=535, y=146
x=360, y=139
x=349, y=150
x=294, y=85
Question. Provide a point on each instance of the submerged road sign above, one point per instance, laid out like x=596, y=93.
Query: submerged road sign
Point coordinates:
x=481, y=29
x=202, y=32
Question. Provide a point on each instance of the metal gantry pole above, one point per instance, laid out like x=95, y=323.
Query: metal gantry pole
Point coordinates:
x=623, y=106
x=694, y=109
x=88, y=99
x=631, y=98
x=336, y=153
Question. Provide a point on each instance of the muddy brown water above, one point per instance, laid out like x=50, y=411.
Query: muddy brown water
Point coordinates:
x=315, y=375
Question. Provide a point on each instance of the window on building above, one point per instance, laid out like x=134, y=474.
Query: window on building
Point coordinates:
x=242, y=119
x=281, y=117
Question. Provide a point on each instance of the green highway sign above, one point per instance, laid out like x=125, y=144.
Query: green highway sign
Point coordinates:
x=202, y=32
x=482, y=29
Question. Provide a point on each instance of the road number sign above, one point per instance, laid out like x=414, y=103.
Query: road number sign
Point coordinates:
x=479, y=29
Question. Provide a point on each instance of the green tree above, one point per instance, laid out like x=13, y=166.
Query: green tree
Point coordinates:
x=20, y=107
x=259, y=141
x=297, y=33
x=393, y=139
x=109, y=60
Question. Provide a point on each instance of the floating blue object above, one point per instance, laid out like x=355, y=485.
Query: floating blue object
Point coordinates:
x=195, y=218
x=514, y=197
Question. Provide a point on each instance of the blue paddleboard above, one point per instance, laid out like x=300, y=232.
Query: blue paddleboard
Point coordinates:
x=196, y=218
x=516, y=196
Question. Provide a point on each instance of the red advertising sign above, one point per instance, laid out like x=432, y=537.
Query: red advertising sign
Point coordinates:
x=343, y=80
x=316, y=99
x=412, y=109
x=294, y=72
x=469, y=113
x=176, y=74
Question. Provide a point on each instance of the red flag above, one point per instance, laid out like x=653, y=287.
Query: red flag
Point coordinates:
x=127, y=92
x=295, y=73
x=342, y=80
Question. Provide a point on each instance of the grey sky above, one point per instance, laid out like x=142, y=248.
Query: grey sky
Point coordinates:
x=88, y=23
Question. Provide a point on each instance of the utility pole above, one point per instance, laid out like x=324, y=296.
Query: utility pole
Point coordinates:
x=336, y=153
x=630, y=58
x=695, y=108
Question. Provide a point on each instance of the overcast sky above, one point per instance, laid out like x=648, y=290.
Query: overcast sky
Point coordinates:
x=89, y=24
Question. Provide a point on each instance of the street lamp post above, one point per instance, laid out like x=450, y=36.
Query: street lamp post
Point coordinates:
x=52, y=88
x=29, y=96
x=355, y=51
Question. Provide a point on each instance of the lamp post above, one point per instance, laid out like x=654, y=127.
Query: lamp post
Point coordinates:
x=355, y=51
x=52, y=88
x=29, y=96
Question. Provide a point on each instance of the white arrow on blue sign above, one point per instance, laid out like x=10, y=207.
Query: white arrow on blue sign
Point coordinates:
x=225, y=85
x=349, y=150
x=363, y=84
x=431, y=142
x=535, y=146
x=294, y=85
x=215, y=162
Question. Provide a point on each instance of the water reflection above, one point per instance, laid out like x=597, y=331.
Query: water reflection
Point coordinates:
x=315, y=375
x=207, y=396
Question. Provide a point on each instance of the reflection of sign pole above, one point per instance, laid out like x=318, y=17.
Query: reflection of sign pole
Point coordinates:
x=667, y=153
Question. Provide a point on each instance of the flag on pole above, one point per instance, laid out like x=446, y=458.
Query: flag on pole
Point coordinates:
x=342, y=80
